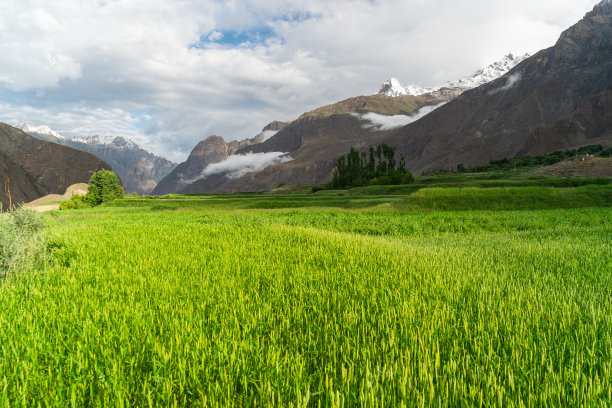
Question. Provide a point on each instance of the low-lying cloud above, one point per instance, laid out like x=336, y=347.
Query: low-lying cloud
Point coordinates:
x=381, y=122
x=510, y=83
x=237, y=165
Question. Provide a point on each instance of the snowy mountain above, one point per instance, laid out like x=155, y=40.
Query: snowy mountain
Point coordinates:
x=495, y=70
x=41, y=130
x=117, y=142
x=488, y=74
x=392, y=87
x=139, y=169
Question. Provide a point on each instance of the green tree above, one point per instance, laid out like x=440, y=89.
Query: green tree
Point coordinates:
x=104, y=186
x=381, y=167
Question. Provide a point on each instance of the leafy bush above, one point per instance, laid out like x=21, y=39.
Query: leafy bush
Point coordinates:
x=22, y=246
x=75, y=202
x=104, y=186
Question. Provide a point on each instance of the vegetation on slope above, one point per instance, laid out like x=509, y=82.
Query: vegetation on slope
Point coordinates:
x=506, y=164
x=381, y=104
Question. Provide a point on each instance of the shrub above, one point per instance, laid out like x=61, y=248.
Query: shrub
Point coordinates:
x=104, y=186
x=22, y=246
x=75, y=202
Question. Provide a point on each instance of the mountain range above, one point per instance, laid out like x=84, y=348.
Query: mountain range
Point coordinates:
x=558, y=98
x=139, y=170
x=497, y=69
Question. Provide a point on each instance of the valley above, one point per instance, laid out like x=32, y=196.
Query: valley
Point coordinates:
x=446, y=243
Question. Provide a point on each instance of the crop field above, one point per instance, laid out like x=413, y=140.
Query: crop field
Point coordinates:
x=376, y=297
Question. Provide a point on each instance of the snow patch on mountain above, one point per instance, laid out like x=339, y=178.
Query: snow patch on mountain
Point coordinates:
x=394, y=88
x=41, y=130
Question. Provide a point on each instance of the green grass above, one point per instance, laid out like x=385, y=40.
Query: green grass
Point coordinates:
x=508, y=198
x=228, y=301
x=405, y=197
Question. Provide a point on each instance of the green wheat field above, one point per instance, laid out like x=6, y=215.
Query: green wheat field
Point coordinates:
x=491, y=294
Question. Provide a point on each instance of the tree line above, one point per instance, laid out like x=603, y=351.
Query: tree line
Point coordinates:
x=377, y=167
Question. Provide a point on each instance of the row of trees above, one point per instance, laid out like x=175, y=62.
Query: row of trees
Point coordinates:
x=379, y=167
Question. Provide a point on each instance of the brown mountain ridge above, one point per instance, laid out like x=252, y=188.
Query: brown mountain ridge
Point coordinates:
x=31, y=168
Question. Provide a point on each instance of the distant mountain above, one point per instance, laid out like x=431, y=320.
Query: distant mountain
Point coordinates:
x=394, y=88
x=31, y=168
x=312, y=142
x=213, y=149
x=138, y=169
x=44, y=131
x=559, y=98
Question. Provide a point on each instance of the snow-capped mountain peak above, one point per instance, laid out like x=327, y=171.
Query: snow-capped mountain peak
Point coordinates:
x=392, y=87
x=495, y=70
x=117, y=142
x=41, y=130
x=491, y=72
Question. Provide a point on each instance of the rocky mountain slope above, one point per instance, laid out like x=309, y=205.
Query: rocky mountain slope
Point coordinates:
x=531, y=109
x=31, y=168
x=312, y=142
x=139, y=170
x=213, y=149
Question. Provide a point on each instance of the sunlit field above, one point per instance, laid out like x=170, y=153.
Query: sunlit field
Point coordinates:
x=375, y=297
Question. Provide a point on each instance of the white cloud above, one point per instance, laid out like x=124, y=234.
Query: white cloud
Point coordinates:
x=238, y=165
x=511, y=81
x=87, y=66
x=215, y=36
x=381, y=122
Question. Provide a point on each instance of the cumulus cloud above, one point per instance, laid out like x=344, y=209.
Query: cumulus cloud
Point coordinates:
x=174, y=59
x=215, y=36
x=236, y=166
x=381, y=122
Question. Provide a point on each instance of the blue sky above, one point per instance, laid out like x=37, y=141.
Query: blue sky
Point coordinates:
x=176, y=71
